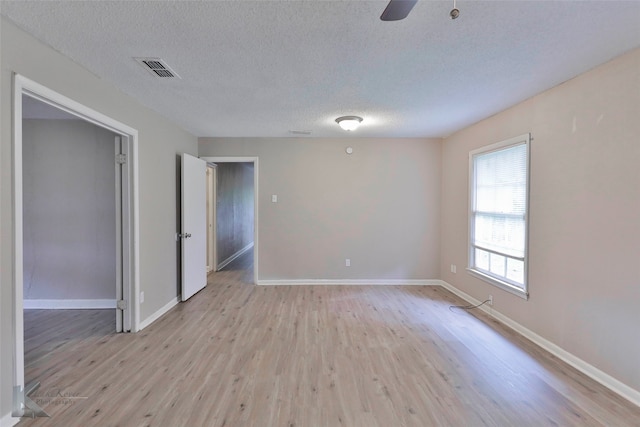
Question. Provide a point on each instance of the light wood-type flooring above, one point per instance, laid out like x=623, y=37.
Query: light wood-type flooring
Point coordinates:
x=308, y=356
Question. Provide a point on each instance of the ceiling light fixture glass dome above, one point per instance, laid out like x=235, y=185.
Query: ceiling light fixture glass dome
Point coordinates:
x=349, y=122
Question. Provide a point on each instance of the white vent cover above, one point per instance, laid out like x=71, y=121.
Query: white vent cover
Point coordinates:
x=157, y=67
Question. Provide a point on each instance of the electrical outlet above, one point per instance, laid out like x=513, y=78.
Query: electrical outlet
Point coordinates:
x=453, y=268
x=490, y=299
x=347, y=262
x=141, y=297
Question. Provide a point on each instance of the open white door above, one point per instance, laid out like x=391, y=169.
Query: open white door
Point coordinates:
x=194, y=225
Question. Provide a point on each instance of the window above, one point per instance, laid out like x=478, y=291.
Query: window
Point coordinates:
x=498, y=214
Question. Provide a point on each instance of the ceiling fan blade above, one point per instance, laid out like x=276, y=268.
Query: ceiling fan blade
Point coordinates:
x=397, y=10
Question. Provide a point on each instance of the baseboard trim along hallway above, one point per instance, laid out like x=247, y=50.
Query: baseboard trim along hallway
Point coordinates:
x=235, y=256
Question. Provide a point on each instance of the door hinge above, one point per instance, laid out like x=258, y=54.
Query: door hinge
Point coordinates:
x=121, y=304
x=121, y=159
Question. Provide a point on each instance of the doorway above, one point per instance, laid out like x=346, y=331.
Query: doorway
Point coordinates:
x=69, y=210
x=236, y=218
x=69, y=231
x=125, y=277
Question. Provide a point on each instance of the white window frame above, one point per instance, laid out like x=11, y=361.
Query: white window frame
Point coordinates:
x=523, y=291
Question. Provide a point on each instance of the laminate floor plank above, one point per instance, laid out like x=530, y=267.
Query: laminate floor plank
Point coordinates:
x=237, y=354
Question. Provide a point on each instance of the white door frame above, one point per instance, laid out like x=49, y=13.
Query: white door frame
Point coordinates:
x=131, y=275
x=212, y=182
x=253, y=160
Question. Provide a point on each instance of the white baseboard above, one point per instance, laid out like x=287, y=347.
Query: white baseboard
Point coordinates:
x=347, y=282
x=591, y=371
x=67, y=304
x=155, y=316
x=8, y=420
x=229, y=260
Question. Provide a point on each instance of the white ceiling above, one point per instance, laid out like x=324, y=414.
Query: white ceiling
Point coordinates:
x=266, y=68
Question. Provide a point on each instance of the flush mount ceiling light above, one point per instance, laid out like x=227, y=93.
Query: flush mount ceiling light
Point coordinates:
x=349, y=122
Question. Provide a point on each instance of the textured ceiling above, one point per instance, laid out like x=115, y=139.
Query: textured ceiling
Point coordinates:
x=266, y=68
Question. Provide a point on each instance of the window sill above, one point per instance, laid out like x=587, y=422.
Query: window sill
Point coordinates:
x=500, y=284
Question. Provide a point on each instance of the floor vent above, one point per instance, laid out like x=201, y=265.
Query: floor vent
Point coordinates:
x=157, y=67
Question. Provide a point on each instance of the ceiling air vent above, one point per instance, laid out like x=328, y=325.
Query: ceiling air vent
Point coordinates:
x=157, y=67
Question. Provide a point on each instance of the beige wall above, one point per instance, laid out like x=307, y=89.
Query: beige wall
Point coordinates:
x=584, y=229
x=159, y=142
x=379, y=207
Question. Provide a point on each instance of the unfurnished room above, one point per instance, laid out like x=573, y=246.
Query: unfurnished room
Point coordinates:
x=320, y=213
